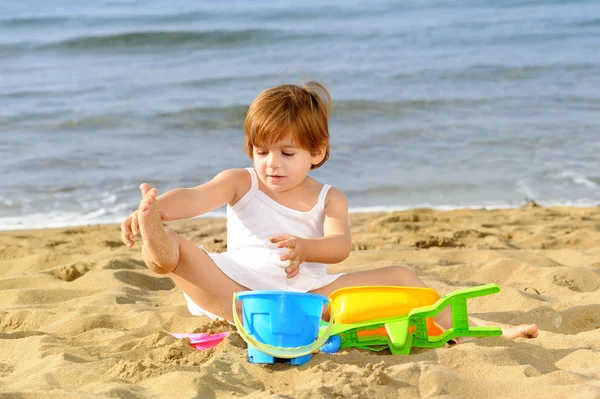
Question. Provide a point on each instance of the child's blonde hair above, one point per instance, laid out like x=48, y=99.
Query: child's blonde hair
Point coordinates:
x=302, y=111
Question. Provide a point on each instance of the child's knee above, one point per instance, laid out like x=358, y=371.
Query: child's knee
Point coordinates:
x=403, y=270
x=406, y=276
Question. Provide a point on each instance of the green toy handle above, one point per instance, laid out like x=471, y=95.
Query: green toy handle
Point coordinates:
x=277, y=351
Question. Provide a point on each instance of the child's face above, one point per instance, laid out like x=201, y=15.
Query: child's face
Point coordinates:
x=283, y=165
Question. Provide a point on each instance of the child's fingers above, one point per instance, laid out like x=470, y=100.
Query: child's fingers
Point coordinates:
x=126, y=240
x=294, y=265
x=276, y=239
x=288, y=256
x=293, y=272
x=135, y=227
x=125, y=237
x=287, y=243
x=126, y=225
x=126, y=234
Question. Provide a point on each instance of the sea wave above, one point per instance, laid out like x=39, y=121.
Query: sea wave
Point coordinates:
x=494, y=72
x=395, y=108
x=587, y=23
x=203, y=39
x=205, y=117
x=71, y=20
x=11, y=49
x=32, y=21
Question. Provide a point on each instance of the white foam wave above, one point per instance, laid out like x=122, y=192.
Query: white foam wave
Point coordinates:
x=577, y=178
x=109, y=198
x=104, y=216
x=6, y=202
x=69, y=219
x=582, y=203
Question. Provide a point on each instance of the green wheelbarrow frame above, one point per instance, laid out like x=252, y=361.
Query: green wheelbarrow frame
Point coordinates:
x=397, y=337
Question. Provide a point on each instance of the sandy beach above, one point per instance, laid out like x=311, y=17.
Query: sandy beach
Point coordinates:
x=81, y=316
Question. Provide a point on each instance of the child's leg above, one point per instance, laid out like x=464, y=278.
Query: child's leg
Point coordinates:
x=402, y=276
x=190, y=267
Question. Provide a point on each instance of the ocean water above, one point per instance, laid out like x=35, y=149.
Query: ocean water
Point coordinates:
x=444, y=104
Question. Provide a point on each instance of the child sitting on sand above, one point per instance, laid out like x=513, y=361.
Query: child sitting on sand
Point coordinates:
x=283, y=227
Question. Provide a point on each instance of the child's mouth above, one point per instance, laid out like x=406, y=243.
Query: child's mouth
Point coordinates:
x=275, y=178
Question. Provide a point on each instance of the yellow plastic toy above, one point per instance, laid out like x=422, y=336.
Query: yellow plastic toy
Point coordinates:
x=358, y=304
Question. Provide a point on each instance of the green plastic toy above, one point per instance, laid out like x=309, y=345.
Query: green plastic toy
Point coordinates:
x=401, y=333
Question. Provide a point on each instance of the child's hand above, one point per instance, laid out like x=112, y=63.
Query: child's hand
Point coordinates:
x=130, y=226
x=296, y=254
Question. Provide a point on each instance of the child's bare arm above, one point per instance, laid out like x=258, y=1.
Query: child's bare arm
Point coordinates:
x=184, y=203
x=334, y=247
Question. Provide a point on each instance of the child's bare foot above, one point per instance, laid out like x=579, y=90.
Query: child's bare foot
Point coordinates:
x=520, y=331
x=509, y=331
x=160, y=253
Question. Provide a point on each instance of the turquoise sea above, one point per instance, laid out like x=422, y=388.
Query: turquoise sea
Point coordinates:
x=444, y=104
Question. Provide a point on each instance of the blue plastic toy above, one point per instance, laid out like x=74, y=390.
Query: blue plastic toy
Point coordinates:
x=281, y=325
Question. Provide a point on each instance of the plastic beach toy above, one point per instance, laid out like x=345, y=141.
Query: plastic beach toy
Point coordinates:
x=363, y=303
x=402, y=332
x=202, y=341
x=281, y=325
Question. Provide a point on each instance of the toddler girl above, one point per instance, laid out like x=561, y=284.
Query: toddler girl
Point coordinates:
x=283, y=226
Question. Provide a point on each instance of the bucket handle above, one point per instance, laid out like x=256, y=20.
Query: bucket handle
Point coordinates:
x=277, y=351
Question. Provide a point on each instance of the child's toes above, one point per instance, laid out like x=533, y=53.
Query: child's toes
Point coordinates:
x=144, y=188
x=145, y=205
x=148, y=195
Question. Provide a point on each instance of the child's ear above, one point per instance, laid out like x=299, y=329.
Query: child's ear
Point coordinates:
x=318, y=157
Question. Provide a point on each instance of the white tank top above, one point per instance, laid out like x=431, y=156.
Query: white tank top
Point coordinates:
x=255, y=218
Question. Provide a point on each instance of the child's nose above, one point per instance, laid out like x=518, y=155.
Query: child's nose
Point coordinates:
x=273, y=160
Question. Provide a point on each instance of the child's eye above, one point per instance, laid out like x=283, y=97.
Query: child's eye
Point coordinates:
x=260, y=152
x=288, y=154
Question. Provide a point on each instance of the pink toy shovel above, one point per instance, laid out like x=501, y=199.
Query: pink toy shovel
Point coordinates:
x=203, y=341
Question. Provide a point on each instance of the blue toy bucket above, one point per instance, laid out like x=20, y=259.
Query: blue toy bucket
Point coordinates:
x=281, y=324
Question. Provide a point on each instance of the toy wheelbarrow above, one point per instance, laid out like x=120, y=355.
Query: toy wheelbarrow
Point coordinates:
x=401, y=332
